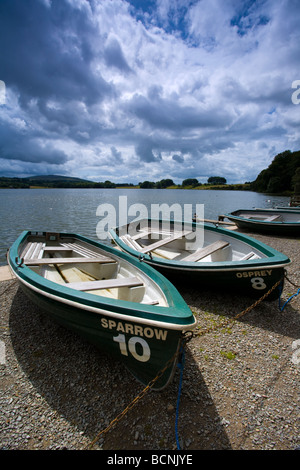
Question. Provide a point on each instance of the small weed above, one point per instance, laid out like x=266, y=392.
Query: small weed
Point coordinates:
x=228, y=354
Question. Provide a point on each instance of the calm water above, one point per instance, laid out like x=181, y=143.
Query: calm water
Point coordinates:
x=75, y=210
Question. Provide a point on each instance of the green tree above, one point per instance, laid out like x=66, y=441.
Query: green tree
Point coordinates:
x=216, y=180
x=165, y=183
x=274, y=185
x=147, y=184
x=109, y=184
x=190, y=182
x=296, y=182
x=283, y=167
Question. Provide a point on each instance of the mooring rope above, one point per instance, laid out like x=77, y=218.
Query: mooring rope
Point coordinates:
x=281, y=308
x=180, y=365
x=294, y=295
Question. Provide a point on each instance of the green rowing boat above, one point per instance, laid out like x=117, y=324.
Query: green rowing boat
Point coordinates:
x=124, y=307
x=269, y=221
x=204, y=255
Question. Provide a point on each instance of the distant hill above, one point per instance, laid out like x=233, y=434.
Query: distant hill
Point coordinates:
x=51, y=178
x=51, y=181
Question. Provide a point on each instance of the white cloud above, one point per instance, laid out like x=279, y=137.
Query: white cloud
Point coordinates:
x=169, y=89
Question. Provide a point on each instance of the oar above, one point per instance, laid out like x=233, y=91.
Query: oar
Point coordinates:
x=195, y=219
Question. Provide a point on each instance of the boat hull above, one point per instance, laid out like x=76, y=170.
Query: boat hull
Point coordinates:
x=143, y=349
x=144, y=337
x=268, y=228
x=288, y=208
x=253, y=282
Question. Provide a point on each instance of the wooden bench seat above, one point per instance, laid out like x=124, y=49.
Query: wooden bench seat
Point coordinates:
x=106, y=284
x=57, y=248
x=149, y=231
x=129, y=241
x=273, y=218
x=165, y=241
x=248, y=256
x=132, y=243
x=141, y=234
x=207, y=250
x=33, y=249
x=81, y=250
x=41, y=261
x=53, y=249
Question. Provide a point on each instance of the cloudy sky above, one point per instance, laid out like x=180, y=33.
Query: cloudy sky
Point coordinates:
x=133, y=90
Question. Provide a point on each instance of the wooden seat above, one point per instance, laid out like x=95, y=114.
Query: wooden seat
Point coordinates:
x=132, y=243
x=53, y=249
x=81, y=250
x=165, y=241
x=33, y=249
x=207, y=250
x=143, y=233
x=248, y=256
x=106, y=284
x=43, y=261
x=129, y=241
x=273, y=218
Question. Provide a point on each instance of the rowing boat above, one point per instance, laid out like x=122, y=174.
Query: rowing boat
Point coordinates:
x=204, y=255
x=288, y=208
x=271, y=221
x=124, y=307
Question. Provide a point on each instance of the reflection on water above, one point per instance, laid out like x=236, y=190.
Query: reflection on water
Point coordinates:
x=75, y=210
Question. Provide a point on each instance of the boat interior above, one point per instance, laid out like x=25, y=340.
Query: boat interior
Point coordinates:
x=186, y=244
x=84, y=267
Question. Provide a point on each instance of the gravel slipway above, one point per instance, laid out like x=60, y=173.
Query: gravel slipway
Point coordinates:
x=240, y=387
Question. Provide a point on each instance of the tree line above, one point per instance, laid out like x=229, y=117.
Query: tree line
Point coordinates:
x=61, y=182
x=187, y=183
x=282, y=175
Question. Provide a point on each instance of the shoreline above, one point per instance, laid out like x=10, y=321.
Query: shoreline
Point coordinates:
x=240, y=388
x=227, y=187
x=200, y=187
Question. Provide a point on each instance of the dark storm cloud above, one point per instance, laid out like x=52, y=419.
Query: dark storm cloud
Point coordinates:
x=47, y=60
x=16, y=144
x=114, y=56
x=145, y=150
x=167, y=113
x=178, y=158
x=47, y=52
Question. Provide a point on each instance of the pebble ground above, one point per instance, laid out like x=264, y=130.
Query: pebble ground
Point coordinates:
x=240, y=388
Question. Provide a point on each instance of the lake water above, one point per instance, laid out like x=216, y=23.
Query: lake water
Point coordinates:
x=82, y=210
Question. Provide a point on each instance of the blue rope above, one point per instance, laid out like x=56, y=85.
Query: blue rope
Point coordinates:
x=181, y=366
x=287, y=301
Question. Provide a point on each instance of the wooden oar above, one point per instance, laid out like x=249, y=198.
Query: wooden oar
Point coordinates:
x=195, y=219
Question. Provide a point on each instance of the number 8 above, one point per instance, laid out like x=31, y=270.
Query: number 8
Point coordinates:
x=258, y=283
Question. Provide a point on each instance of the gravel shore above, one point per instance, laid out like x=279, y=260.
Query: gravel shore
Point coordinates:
x=240, y=388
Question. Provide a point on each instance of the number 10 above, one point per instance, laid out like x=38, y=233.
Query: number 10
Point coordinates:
x=132, y=347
